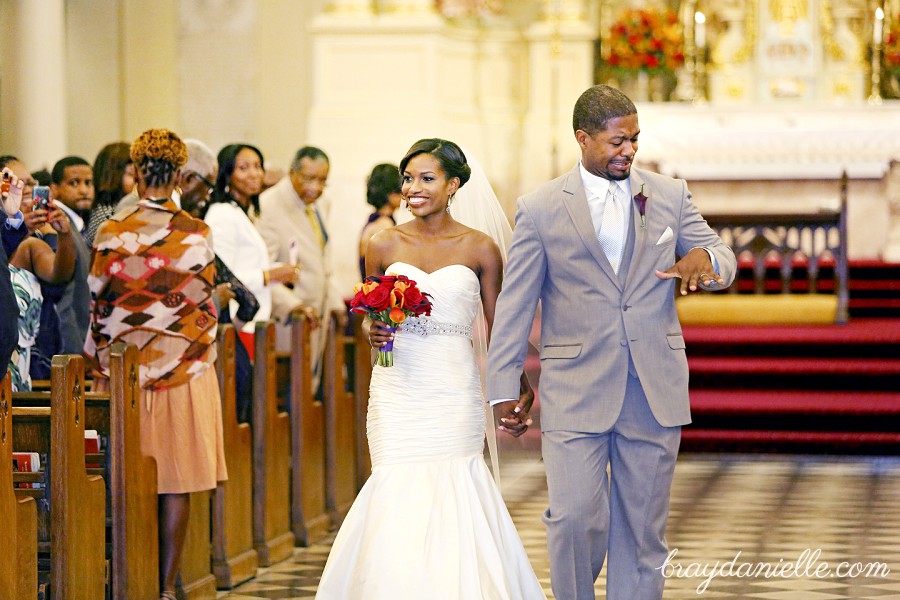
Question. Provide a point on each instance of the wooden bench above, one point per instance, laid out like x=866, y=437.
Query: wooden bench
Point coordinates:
x=234, y=559
x=340, y=422
x=273, y=538
x=310, y=521
x=77, y=500
x=761, y=241
x=18, y=516
x=131, y=491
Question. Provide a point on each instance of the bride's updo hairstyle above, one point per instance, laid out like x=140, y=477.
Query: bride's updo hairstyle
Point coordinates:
x=451, y=157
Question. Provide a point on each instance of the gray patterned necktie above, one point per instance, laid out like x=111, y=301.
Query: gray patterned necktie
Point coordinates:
x=611, y=237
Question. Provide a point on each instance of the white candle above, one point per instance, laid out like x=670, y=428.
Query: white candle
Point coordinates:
x=699, y=30
x=879, y=27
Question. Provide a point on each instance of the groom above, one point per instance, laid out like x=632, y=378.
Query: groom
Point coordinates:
x=596, y=246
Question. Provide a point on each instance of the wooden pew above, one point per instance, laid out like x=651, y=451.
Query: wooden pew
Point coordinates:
x=196, y=578
x=77, y=500
x=309, y=515
x=131, y=490
x=272, y=535
x=135, y=547
x=340, y=422
x=234, y=559
x=18, y=516
x=363, y=361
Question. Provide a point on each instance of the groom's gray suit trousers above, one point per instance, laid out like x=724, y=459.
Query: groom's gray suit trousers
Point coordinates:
x=589, y=517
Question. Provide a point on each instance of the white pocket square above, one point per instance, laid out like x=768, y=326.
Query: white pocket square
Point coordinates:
x=665, y=237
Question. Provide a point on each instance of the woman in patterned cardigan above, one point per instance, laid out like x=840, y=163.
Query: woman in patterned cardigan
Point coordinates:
x=151, y=283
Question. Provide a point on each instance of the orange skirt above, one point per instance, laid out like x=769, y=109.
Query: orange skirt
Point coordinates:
x=182, y=430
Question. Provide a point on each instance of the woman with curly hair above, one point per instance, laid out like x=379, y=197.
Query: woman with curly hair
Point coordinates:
x=151, y=283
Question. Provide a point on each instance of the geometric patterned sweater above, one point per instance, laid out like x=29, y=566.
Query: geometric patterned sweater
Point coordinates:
x=151, y=282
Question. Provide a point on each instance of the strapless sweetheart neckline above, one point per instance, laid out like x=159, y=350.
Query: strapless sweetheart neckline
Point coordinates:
x=423, y=271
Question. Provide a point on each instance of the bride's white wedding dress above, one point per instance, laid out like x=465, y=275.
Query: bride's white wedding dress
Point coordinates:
x=430, y=522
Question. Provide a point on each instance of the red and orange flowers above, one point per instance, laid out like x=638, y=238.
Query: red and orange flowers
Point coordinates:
x=389, y=299
x=646, y=39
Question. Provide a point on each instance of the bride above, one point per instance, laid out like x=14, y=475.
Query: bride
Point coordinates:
x=430, y=521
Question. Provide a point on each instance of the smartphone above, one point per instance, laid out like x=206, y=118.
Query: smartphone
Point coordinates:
x=41, y=197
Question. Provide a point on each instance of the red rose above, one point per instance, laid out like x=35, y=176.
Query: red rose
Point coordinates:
x=413, y=297
x=378, y=299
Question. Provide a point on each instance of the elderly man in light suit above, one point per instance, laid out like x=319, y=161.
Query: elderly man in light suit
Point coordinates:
x=294, y=231
x=597, y=247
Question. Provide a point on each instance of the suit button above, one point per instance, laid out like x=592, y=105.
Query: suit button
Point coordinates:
x=623, y=343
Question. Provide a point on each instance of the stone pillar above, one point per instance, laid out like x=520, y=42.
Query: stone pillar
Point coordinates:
x=37, y=82
x=561, y=64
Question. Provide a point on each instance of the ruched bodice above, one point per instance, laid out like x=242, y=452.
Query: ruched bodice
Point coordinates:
x=432, y=374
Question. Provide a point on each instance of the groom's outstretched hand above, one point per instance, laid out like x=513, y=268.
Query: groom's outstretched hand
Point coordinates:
x=693, y=269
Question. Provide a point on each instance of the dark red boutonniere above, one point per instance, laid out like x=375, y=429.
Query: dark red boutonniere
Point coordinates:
x=641, y=200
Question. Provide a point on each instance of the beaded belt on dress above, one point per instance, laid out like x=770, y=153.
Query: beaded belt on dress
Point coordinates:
x=427, y=326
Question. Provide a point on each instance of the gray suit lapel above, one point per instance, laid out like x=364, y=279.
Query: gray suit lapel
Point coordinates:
x=576, y=204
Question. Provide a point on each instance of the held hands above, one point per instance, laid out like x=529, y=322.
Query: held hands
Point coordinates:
x=11, y=192
x=693, y=268
x=513, y=417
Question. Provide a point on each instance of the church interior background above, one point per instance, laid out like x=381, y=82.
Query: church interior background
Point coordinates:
x=760, y=104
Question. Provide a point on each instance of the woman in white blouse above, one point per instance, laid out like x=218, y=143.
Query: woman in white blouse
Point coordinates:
x=235, y=239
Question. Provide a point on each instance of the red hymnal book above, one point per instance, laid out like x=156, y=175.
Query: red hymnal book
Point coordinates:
x=91, y=446
x=26, y=462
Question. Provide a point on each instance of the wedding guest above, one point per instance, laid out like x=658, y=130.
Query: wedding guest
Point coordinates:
x=294, y=230
x=382, y=192
x=34, y=263
x=113, y=178
x=240, y=246
x=170, y=264
x=73, y=191
x=197, y=178
x=11, y=198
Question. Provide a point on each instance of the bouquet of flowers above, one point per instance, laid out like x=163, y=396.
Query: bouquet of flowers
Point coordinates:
x=389, y=299
x=892, y=51
x=646, y=39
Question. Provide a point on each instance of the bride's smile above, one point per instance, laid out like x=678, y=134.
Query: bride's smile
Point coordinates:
x=426, y=186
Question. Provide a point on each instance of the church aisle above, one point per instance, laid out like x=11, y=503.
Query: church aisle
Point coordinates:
x=795, y=513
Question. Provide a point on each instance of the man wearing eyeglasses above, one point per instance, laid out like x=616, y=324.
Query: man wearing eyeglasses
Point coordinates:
x=197, y=177
x=294, y=230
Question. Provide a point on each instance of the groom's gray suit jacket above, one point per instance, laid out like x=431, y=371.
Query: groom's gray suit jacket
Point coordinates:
x=597, y=326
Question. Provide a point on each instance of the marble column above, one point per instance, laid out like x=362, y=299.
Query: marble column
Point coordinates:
x=36, y=80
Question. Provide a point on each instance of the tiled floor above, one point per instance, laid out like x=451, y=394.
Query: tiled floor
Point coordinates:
x=769, y=509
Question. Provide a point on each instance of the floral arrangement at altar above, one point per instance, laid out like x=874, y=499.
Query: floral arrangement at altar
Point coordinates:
x=892, y=50
x=646, y=39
